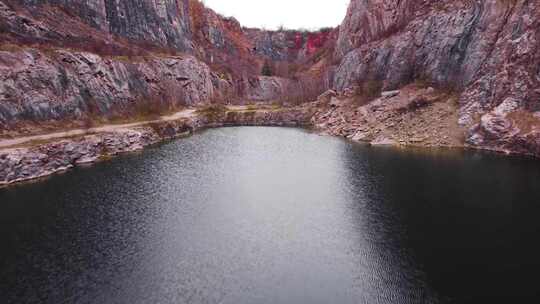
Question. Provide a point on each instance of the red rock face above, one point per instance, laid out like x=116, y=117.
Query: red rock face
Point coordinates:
x=315, y=41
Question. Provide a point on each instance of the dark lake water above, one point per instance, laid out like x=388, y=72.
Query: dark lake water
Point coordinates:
x=275, y=215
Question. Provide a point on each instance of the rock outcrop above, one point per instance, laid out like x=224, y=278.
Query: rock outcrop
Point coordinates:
x=372, y=20
x=68, y=85
x=447, y=42
x=164, y=22
x=485, y=51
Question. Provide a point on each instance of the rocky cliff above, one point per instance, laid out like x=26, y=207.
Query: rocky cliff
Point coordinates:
x=64, y=61
x=164, y=22
x=66, y=85
x=78, y=61
x=483, y=51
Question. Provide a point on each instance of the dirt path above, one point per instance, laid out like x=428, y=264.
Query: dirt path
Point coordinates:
x=5, y=143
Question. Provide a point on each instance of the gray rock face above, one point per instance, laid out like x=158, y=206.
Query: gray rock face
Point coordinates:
x=369, y=20
x=92, y=11
x=65, y=85
x=274, y=45
x=443, y=41
x=288, y=45
x=164, y=22
x=483, y=50
x=267, y=88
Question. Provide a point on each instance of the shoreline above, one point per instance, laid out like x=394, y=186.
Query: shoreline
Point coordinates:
x=19, y=164
x=23, y=164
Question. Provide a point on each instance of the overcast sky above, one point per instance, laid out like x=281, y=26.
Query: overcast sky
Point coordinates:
x=293, y=14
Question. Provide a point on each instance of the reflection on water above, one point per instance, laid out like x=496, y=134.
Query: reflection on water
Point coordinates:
x=273, y=215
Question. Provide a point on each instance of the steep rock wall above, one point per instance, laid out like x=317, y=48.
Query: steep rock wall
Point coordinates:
x=63, y=61
x=164, y=22
x=370, y=20
x=65, y=85
x=444, y=41
x=485, y=51
x=288, y=45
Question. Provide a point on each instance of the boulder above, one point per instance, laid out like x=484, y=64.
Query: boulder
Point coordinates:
x=382, y=140
x=390, y=94
x=327, y=96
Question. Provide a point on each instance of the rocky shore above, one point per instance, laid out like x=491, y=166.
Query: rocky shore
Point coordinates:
x=413, y=116
x=35, y=160
x=421, y=116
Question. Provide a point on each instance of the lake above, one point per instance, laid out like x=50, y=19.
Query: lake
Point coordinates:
x=275, y=215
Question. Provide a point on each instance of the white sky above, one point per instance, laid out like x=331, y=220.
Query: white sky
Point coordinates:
x=293, y=14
